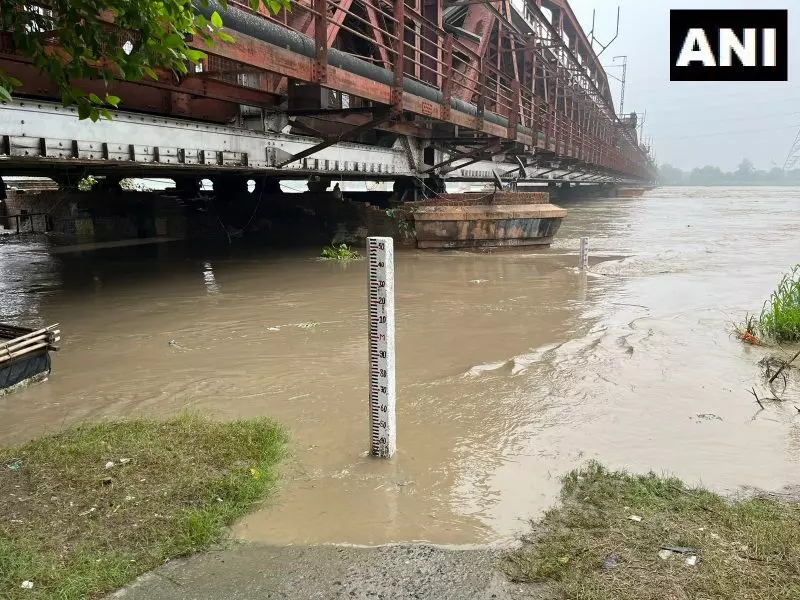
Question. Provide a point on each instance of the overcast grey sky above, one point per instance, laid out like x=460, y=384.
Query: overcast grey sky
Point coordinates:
x=693, y=124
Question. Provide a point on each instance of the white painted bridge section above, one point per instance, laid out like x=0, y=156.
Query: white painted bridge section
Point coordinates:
x=36, y=136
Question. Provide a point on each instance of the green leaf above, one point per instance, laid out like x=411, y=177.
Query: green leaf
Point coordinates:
x=112, y=100
x=83, y=111
x=95, y=99
x=94, y=114
x=174, y=40
x=201, y=21
x=12, y=82
x=225, y=37
x=216, y=20
x=4, y=93
x=254, y=4
x=149, y=72
x=107, y=114
x=194, y=55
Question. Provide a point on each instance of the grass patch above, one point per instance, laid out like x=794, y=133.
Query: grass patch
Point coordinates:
x=590, y=550
x=341, y=252
x=780, y=317
x=78, y=527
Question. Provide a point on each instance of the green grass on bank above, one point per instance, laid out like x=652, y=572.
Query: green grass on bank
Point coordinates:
x=780, y=317
x=77, y=527
x=589, y=548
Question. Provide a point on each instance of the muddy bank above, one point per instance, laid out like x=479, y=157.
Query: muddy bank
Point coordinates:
x=396, y=572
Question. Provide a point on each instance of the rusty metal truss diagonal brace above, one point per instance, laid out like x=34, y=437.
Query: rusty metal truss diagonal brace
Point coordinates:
x=485, y=152
x=380, y=119
x=521, y=168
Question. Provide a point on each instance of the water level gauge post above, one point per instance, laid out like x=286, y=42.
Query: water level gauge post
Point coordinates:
x=382, y=420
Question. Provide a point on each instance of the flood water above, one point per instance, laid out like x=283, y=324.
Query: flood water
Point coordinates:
x=512, y=368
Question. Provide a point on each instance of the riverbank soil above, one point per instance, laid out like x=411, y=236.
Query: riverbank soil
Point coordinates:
x=87, y=510
x=620, y=536
x=396, y=572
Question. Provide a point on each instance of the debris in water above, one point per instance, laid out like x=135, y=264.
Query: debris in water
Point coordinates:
x=478, y=281
x=785, y=364
x=664, y=554
x=109, y=464
x=15, y=465
x=708, y=417
x=680, y=549
x=27, y=585
x=635, y=518
x=691, y=560
x=749, y=338
x=125, y=461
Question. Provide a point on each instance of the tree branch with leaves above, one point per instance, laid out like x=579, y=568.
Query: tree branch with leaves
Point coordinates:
x=73, y=40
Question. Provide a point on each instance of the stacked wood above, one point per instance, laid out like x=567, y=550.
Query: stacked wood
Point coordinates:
x=19, y=341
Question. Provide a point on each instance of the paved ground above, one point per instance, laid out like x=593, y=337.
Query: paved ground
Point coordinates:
x=408, y=571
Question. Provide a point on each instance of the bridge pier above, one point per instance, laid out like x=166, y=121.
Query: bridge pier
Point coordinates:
x=229, y=187
x=108, y=184
x=187, y=187
x=318, y=183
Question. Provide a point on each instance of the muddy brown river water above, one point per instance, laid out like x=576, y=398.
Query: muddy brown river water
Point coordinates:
x=512, y=367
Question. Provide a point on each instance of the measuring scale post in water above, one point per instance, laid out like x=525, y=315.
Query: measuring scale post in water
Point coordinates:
x=382, y=423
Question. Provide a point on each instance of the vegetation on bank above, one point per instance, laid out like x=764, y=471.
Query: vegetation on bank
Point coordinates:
x=610, y=540
x=780, y=316
x=341, y=252
x=745, y=174
x=87, y=510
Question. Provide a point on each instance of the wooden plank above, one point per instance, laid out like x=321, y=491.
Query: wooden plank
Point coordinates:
x=28, y=335
x=27, y=350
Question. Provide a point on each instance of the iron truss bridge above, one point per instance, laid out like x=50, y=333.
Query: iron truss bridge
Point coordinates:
x=364, y=90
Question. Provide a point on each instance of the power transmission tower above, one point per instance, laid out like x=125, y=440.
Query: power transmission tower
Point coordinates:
x=794, y=154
